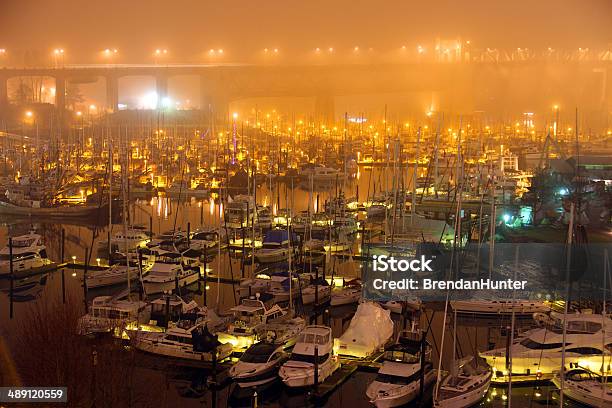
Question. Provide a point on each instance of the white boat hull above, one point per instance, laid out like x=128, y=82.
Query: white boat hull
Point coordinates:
x=586, y=396
x=302, y=374
x=402, y=395
x=467, y=399
x=151, y=344
x=497, y=308
x=169, y=285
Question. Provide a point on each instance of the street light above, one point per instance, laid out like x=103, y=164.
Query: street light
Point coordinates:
x=109, y=53
x=57, y=54
x=159, y=52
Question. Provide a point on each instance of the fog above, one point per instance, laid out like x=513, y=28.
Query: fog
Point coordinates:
x=188, y=29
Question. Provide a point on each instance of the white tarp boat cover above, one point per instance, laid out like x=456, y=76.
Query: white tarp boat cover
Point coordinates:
x=370, y=329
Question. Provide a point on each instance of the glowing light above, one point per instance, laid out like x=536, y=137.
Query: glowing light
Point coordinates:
x=29, y=114
x=148, y=101
x=166, y=102
x=235, y=115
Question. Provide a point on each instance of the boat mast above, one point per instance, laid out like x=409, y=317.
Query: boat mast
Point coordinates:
x=124, y=173
x=566, y=305
x=110, y=192
x=414, y=176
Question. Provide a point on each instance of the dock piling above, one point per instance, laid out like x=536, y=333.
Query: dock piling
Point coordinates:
x=63, y=272
x=12, y=277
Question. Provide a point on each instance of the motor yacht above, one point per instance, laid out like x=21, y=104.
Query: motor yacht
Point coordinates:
x=29, y=254
x=537, y=353
x=277, y=245
x=111, y=315
x=259, y=364
x=186, y=340
x=299, y=370
x=168, y=273
x=249, y=317
x=399, y=378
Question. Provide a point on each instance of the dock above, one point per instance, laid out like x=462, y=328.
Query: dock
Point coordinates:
x=324, y=389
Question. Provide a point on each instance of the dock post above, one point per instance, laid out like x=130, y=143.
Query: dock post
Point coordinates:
x=167, y=310
x=62, y=261
x=201, y=212
x=85, y=279
x=140, y=288
x=214, y=381
x=12, y=277
x=150, y=226
x=508, y=335
x=110, y=247
x=316, y=294
x=205, y=273
x=422, y=375
x=255, y=402
x=189, y=233
x=316, y=367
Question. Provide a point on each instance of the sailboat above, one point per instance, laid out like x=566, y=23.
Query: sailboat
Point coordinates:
x=466, y=387
x=585, y=387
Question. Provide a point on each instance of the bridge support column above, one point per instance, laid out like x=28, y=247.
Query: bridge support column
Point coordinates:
x=161, y=87
x=3, y=92
x=60, y=97
x=324, y=107
x=4, y=102
x=112, y=93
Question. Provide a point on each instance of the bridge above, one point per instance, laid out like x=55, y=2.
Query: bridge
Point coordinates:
x=222, y=83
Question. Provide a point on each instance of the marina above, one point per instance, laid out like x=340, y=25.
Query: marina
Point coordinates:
x=422, y=225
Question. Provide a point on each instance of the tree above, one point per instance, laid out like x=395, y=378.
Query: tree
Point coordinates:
x=24, y=93
x=73, y=95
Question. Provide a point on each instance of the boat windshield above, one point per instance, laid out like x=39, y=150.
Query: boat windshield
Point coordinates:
x=308, y=358
x=16, y=257
x=259, y=353
x=534, y=345
x=393, y=379
x=23, y=243
x=313, y=338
